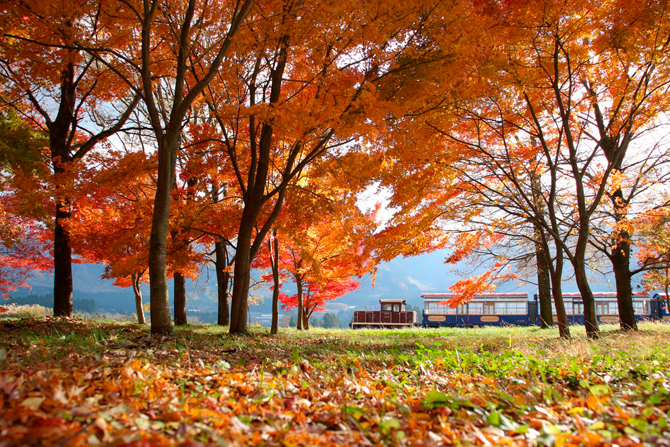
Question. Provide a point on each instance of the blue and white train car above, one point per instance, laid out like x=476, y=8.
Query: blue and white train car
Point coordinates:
x=607, y=307
x=507, y=309
x=488, y=309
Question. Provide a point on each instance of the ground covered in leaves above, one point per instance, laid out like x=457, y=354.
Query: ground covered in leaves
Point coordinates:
x=80, y=382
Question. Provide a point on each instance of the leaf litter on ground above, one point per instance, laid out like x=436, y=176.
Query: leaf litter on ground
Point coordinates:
x=83, y=382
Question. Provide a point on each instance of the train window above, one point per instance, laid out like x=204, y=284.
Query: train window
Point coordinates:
x=641, y=307
x=517, y=308
x=602, y=308
x=577, y=308
x=607, y=308
x=387, y=307
x=435, y=308
x=475, y=308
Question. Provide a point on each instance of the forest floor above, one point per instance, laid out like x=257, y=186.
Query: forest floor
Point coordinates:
x=84, y=382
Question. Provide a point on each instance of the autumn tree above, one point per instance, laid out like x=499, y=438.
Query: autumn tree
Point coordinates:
x=319, y=241
x=311, y=297
x=309, y=84
x=111, y=224
x=168, y=53
x=69, y=95
x=627, y=87
x=563, y=103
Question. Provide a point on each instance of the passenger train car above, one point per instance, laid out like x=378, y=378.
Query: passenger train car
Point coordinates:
x=500, y=309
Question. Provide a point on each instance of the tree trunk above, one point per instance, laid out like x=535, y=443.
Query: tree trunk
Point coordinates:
x=624, y=292
x=161, y=323
x=590, y=321
x=305, y=323
x=544, y=287
x=620, y=258
x=222, y=280
x=274, y=253
x=63, y=304
x=556, y=274
x=561, y=316
x=59, y=132
x=241, y=278
x=136, y=279
x=179, y=299
x=301, y=310
x=255, y=198
x=541, y=258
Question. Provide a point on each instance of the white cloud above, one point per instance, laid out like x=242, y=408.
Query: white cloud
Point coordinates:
x=419, y=284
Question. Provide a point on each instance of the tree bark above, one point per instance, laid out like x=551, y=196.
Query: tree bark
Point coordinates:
x=179, y=299
x=556, y=275
x=620, y=258
x=541, y=259
x=274, y=252
x=624, y=291
x=136, y=279
x=301, y=310
x=561, y=316
x=63, y=303
x=590, y=320
x=241, y=278
x=222, y=280
x=544, y=288
x=305, y=323
x=59, y=131
x=161, y=323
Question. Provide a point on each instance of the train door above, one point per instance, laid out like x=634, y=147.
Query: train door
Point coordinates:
x=489, y=308
x=462, y=318
x=656, y=308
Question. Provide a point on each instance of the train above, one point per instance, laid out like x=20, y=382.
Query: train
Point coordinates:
x=503, y=309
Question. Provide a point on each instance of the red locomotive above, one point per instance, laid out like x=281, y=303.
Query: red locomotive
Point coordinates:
x=392, y=314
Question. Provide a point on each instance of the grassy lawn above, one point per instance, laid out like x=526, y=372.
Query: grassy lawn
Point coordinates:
x=82, y=382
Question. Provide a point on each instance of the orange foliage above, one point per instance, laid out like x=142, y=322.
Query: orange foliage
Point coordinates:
x=466, y=289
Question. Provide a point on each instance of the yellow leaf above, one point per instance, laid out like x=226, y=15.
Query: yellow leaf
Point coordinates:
x=33, y=402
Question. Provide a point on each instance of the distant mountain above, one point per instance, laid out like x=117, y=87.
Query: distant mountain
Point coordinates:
x=405, y=278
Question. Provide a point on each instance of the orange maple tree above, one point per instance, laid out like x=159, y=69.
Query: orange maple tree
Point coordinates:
x=68, y=95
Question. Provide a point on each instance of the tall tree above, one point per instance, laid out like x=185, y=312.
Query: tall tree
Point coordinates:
x=564, y=99
x=69, y=95
x=308, y=85
x=627, y=87
x=169, y=54
x=112, y=223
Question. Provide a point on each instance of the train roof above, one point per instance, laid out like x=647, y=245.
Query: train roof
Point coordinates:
x=392, y=301
x=480, y=297
x=604, y=295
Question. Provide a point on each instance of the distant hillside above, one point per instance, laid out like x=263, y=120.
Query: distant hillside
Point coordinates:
x=405, y=278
